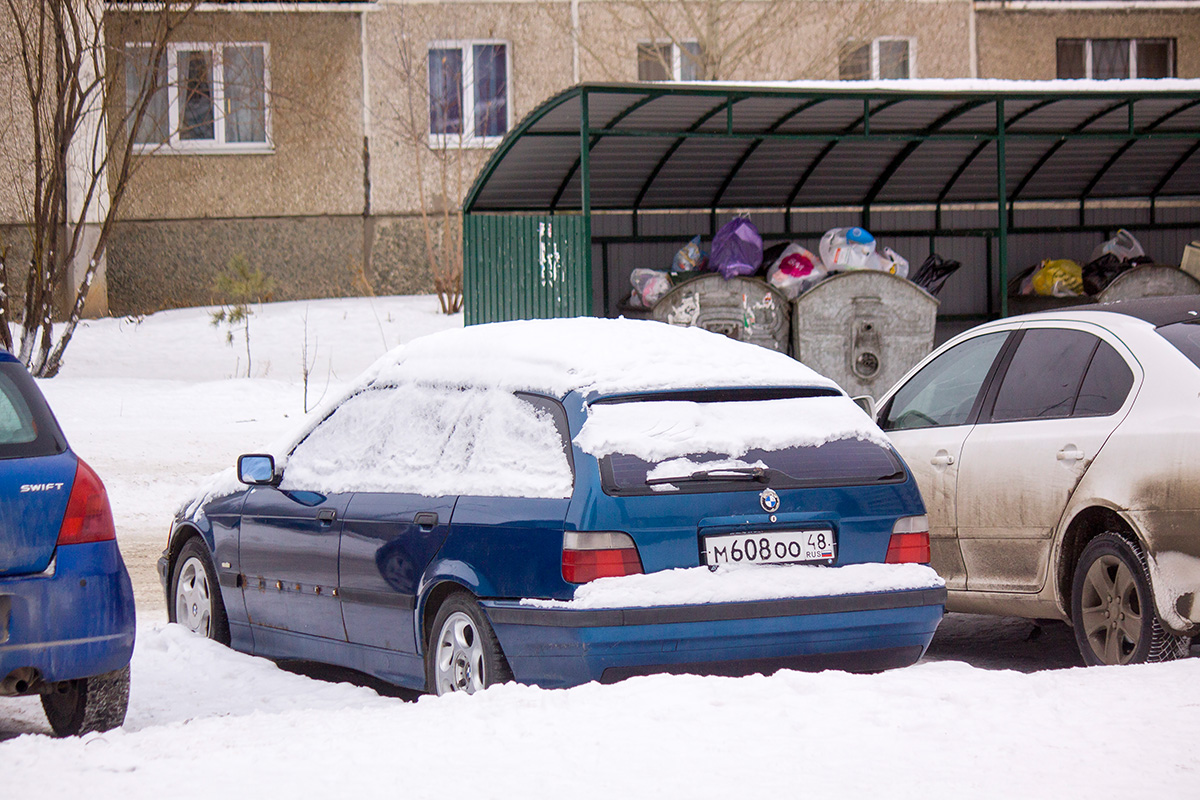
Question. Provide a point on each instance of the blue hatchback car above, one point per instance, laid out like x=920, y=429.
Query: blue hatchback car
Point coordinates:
x=66, y=603
x=564, y=501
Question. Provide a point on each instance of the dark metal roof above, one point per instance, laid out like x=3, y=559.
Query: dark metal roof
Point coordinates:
x=713, y=146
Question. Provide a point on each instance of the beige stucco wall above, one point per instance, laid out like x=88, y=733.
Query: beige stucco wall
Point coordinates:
x=787, y=41
x=779, y=39
x=315, y=102
x=1021, y=45
x=16, y=148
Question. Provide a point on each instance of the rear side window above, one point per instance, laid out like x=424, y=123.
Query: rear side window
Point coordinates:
x=1186, y=338
x=1106, y=384
x=436, y=441
x=1044, y=375
x=944, y=392
x=26, y=426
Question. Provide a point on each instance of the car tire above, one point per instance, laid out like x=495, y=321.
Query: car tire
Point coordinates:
x=90, y=704
x=1112, y=607
x=463, y=654
x=195, y=594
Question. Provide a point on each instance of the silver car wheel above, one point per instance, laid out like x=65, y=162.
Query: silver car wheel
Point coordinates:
x=193, y=598
x=459, y=656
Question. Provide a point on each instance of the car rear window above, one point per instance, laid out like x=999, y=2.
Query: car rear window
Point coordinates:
x=27, y=428
x=695, y=444
x=845, y=462
x=1186, y=338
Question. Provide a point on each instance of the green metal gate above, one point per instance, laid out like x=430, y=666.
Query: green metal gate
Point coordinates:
x=526, y=266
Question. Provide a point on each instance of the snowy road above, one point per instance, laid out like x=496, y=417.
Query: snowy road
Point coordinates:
x=155, y=406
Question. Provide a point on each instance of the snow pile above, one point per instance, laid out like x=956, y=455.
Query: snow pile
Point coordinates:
x=205, y=722
x=740, y=583
x=433, y=440
x=657, y=430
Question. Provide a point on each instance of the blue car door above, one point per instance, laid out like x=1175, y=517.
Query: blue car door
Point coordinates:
x=288, y=549
x=387, y=541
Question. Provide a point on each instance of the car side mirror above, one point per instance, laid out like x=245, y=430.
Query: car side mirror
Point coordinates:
x=866, y=403
x=257, y=470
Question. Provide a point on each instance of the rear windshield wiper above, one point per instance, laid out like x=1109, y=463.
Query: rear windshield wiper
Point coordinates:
x=724, y=474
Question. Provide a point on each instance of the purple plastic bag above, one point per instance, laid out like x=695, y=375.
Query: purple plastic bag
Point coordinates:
x=736, y=249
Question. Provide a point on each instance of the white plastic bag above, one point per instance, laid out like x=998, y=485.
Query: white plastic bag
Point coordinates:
x=795, y=271
x=1124, y=246
x=846, y=249
x=891, y=262
x=649, y=286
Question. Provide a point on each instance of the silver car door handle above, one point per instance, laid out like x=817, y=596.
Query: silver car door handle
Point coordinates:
x=1070, y=453
x=942, y=459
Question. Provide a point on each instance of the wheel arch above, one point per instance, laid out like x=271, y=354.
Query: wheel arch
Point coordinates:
x=182, y=532
x=1086, y=525
x=431, y=602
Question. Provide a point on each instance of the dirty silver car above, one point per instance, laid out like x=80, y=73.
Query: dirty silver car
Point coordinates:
x=1057, y=455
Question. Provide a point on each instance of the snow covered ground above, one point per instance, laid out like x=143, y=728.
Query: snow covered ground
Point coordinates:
x=157, y=405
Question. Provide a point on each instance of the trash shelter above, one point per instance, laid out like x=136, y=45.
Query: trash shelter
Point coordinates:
x=998, y=175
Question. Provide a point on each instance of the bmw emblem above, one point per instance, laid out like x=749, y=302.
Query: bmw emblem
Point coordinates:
x=769, y=500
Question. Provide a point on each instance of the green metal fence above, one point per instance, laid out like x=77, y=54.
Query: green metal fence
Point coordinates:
x=526, y=266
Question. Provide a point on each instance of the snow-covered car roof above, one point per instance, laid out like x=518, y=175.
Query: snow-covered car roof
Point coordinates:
x=592, y=356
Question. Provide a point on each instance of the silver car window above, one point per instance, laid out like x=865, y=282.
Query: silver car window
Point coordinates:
x=944, y=391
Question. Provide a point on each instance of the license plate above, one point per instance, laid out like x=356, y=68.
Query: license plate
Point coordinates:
x=775, y=547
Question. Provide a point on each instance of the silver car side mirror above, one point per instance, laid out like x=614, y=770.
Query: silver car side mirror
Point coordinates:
x=866, y=403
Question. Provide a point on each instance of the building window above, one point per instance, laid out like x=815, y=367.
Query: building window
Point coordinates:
x=468, y=94
x=666, y=61
x=884, y=58
x=1105, y=59
x=210, y=96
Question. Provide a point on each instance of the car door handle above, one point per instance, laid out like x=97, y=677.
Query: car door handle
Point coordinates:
x=942, y=459
x=426, y=520
x=327, y=515
x=1070, y=453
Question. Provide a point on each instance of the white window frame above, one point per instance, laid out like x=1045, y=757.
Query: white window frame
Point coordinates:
x=174, y=145
x=467, y=139
x=676, y=56
x=912, y=56
x=1133, y=45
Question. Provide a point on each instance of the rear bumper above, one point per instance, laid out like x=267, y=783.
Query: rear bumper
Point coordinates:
x=860, y=632
x=73, y=621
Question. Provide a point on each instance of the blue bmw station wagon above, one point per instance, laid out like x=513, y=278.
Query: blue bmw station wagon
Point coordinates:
x=66, y=602
x=563, y=501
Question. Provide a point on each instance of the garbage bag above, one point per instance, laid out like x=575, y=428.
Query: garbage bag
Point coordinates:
x=690, y=258
x=846, y=249
x=1124, y=246
x=795, y=271
x=891, y=262
x=649, y=286
x=932, y=275
x=737, y=249
x=1059, y=277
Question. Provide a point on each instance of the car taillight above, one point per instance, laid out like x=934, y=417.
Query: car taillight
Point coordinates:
x=910, y=541
x=89, y=516
x=591, y=555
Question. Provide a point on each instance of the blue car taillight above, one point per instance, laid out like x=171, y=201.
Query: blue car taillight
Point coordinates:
x=588, y=555
x=910, y=541
x=89, y=515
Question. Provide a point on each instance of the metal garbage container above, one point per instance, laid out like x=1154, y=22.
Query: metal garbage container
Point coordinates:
x=1149, y=280
x=864, y=329
x=746, y=309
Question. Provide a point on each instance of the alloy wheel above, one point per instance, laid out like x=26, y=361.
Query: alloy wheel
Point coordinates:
x=459, y=657
x=1111, y=610
x=193, y=598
